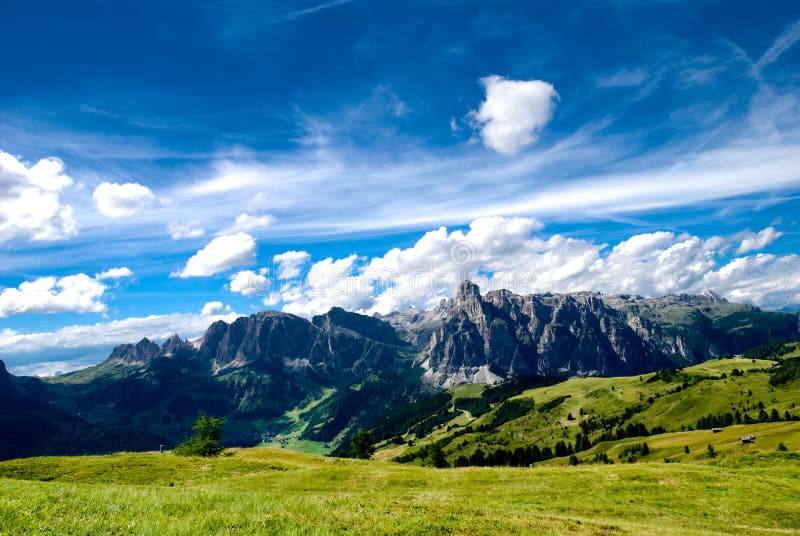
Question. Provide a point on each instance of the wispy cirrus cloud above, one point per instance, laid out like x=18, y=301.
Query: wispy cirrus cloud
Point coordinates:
x=310, y=10
x=625, y=77
x=782, y=43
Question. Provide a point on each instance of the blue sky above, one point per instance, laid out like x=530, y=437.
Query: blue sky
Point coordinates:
x=226, y=157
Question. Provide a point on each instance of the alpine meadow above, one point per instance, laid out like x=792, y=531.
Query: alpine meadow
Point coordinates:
x=427, y=267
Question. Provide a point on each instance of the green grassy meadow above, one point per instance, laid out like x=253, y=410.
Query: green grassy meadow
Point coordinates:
x=674, y=405
x=275, y=491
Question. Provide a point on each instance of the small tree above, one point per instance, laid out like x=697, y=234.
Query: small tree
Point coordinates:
x=686, y=449
x=436, y=457
x=361, y=445
x=205, y=441
x=711, y=452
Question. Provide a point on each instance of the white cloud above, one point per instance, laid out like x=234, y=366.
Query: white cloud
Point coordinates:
x=246, y=222
x=78, y=293
x=586, y=175
x=52, y=368
x=248, y=282
x=219, y=255
x=496, y=253
x=215, y=308
x=751, y=241
x=272, y=299
x=624, y=78
x=258, y=202
x=290, y=263
x=508, y=253
x=30, y=206
x=514, y=112
x=115, y=273
x=122, y=200
x=179, y=231
x=102, y=336
x=781, y=44
x=311, y=10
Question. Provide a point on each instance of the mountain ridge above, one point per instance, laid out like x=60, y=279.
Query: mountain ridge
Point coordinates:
x=322, y=378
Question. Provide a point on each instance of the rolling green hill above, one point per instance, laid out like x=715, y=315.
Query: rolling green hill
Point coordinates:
x=597, y=417
x=269, y=491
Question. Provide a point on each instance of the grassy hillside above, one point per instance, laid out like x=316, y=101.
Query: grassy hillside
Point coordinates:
x=267, y=491
x=591, y=416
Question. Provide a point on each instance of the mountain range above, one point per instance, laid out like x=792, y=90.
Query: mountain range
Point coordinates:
x=275, y=373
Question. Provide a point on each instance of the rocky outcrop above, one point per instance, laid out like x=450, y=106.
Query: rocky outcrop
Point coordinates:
x=139, y=354
x=500, y=335
x=503, y=335
x=336, y=343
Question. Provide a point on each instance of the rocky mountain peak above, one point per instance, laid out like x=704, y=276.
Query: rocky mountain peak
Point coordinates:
x=585, y=333
x=175, y=346
x=467, y=291
x=141, y=353
x=369, y=326
x=713, y=296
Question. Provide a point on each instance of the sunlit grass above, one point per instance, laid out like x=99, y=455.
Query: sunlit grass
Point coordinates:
x=267, y=491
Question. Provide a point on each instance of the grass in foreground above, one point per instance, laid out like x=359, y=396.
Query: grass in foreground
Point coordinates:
x=267, y=491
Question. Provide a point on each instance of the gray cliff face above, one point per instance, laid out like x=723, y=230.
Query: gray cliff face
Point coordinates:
x=500, y=335
x=330, y=345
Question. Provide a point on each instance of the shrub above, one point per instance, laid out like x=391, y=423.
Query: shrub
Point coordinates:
x=361, y=445
x=205, y=441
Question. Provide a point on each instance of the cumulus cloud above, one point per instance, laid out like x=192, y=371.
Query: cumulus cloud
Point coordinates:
x=30, y=206
x=248, y=282
x=122, y=200
x=509, y=253
x=246, y=222
x=180, y=231
x=115, y=273
x=78, y=293
x=219, y=255
x=514, y=112
x=754, y=241
x=290, y=263
x=215, y=308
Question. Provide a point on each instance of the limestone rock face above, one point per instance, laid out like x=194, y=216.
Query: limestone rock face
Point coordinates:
x=501, y=334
